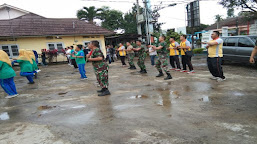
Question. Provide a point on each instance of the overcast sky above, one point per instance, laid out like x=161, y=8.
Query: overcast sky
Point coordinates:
x=173, y=17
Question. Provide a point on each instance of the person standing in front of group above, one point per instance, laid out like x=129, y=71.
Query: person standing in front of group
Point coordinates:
x=131, y=56
x=122, y=53
x=73, y=61
x=80, y=60
x=100, y=67
x=186, y=53
x=174, y=54
x=163, y=55
x=6, y=75
x=141, y=56
x=43, y=57
x=215, y=54
x=152, y=54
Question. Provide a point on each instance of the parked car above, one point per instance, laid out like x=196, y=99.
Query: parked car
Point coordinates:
x=238, y=48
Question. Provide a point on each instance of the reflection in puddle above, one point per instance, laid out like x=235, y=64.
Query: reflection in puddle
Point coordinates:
x=138, y=96
x=238, y=93
x=79, y=106
x=62, y=93
x=123, y=107
x=4, y=116
x=205, y=99
x=45, y=107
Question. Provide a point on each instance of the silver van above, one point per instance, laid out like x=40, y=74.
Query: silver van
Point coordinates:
x=238, y=48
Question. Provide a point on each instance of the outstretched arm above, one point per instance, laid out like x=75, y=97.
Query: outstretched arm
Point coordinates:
x=254, y=52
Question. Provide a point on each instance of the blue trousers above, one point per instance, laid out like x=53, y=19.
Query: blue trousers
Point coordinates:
x=82, y=70
x=28, y=75
x=9, y=86
x=152, y=59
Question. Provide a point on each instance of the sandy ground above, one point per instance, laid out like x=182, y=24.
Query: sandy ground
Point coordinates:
x=62, y=109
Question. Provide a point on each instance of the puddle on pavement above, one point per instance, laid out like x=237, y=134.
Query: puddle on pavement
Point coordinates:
x=205, y=99
x=45, y=107
x=4, y=116
x=62, y=93
x=79, y=106
x=237, y=93
x=138, y=96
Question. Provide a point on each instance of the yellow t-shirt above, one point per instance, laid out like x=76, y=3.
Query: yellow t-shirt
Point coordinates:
x=173, y=51
x=123, y=52
x=216, y=50
x=184, y=44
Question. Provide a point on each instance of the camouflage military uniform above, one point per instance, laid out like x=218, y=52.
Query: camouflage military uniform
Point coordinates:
x=163, y=55
x=141, y=57
x=131, y=56
x=101, y=68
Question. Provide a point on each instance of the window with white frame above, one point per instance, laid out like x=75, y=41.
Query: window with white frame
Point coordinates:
x=11, y=49
x=58, y=46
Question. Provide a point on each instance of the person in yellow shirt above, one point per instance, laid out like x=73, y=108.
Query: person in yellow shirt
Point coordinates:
x=185, y=48
x=122, y=53
x=174, y=54
x=215, y=55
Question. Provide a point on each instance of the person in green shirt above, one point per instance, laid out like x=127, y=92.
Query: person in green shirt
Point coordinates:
x=80, y=60
x=26, y=67
x=6, y=75
x=73, y=61
x=141, y=56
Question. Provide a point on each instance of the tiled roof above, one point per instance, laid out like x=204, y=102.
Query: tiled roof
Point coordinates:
x=35, y=25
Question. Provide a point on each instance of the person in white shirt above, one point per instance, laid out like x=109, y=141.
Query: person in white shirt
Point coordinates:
x=68, y=54
x=152, y=54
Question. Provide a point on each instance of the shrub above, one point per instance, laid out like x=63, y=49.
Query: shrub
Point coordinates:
x=198, y=50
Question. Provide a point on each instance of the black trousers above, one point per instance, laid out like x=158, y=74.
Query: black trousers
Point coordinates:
x=122, y=58
x=174, y=59
x=186, y=61
x=73, y=62
x=215, y=68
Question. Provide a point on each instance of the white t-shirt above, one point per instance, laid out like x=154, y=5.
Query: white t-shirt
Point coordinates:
x=68, y=52
x=152, y=53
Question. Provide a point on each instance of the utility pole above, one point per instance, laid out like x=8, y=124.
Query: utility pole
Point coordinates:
x=146, y=22
x=139, y=30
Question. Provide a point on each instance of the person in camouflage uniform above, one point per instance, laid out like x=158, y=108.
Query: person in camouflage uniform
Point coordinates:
x=163, y=56
x=131, y=56
x=100, y=67
x=141, y=56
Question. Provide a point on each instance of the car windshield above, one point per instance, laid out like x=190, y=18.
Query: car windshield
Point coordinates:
x=254, y=39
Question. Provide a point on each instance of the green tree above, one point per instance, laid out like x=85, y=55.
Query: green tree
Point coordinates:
x=130, y=23
x=230, y=13
x=89, y=13
x=248, y=6
x=111, y=19
x=218, y=18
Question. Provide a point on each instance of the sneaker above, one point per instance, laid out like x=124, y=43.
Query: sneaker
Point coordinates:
x=12, y=96
x=38, y=71
x=100, y=91
x=172, y=69
x=83, y=78
x=220, y=79
x=214, y=78
x=177, y=69
x=190, y=72
x=183, y=71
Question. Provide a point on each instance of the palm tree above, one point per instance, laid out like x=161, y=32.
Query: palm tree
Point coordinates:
x=218, y=18
x=89, y=14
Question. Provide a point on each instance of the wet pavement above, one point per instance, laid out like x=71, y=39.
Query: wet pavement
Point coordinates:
x=60, y=108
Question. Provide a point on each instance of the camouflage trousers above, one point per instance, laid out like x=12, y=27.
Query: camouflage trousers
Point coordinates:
x=102, y=77
x=141, y=61
x=130, y=59
x=162, y=63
